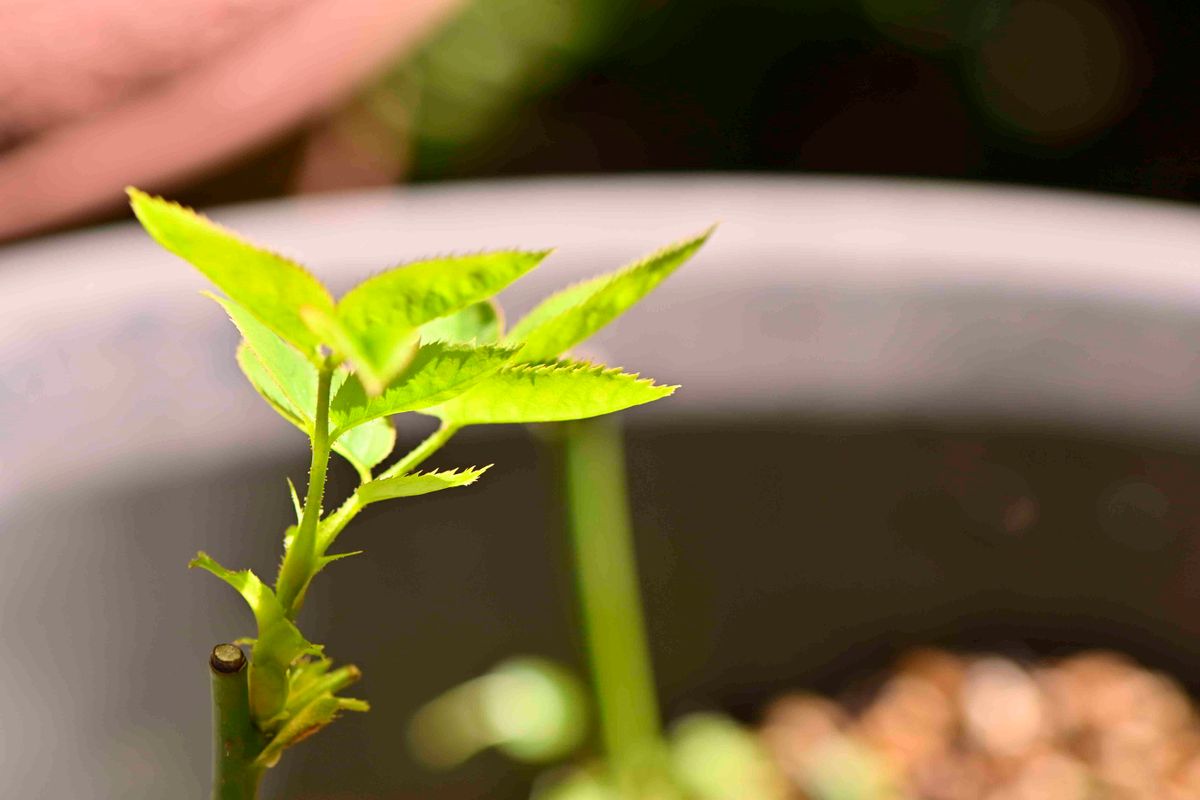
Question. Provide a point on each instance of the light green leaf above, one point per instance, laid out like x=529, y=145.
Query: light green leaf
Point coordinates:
x=565, y=319
x=374, y=371
x=279, y=642
x=367, y=445
x=270, y=287
x=439, y=372
x=292, y=373
x=417, y=483
x=364, y=446
x=299, y=726
x=478, y=323
x=549, y=393
x=554, y=305
x=252, y=367
x=324, y=324
x=382, y=314
x=315, y=679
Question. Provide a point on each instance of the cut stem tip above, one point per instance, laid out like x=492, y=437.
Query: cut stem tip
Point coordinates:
x=227, y=659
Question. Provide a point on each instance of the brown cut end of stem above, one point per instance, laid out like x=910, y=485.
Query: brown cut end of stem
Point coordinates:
x=227, y=659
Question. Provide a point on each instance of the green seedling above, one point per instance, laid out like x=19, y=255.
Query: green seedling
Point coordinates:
x=703, y=757
x=424, y=337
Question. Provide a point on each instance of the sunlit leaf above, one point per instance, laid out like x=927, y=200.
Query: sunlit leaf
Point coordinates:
x=439, y=372
x=292, y=373
x=549, y=393
x=367, y=445
x=565, y=319
x=383, y=313
x=417, y=483
x=260, y=378
x=478, y=323
x=269, y=286
x=364, y=446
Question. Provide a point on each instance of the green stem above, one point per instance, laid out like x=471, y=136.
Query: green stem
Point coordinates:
x=422, y=451
x=349, y=509
x=236, y=740
x=300, y=560
x=606, y=579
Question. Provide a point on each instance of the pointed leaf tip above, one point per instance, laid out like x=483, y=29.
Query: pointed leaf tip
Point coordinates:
x=570, y=316
x=417, y=483
x=553, y=392
x=269, y=286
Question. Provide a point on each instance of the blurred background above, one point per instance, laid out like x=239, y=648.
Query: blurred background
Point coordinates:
x=224, y=100
x=931, y=399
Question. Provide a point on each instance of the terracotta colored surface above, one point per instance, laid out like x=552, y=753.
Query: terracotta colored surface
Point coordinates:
x=151, y=99
x=62, y=60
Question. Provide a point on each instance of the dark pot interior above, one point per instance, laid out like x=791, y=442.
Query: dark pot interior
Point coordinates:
x=776, y=554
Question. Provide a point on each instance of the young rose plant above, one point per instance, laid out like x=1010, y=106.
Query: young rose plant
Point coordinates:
x=424, y=337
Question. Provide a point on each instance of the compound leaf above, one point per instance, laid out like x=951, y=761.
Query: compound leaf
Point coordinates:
x=269, y=286
x=382, y=315
x=548, y=393
x=565, y=319
x=437, y=373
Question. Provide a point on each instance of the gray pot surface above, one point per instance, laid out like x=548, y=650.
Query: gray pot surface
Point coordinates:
x=130, y=439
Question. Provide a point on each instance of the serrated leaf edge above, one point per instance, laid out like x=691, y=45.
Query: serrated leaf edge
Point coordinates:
x=133, y=192
x=570, y=366
x=503, y=251
x=604, y=279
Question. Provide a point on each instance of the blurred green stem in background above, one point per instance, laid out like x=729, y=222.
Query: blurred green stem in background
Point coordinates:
x=605, y=568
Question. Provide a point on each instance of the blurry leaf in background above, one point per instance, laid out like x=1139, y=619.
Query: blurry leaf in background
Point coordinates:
x=489, y=62
x=715, y=758
x=935, y=24
x=443, y=110
x=1057, y=72
x=530, y=708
